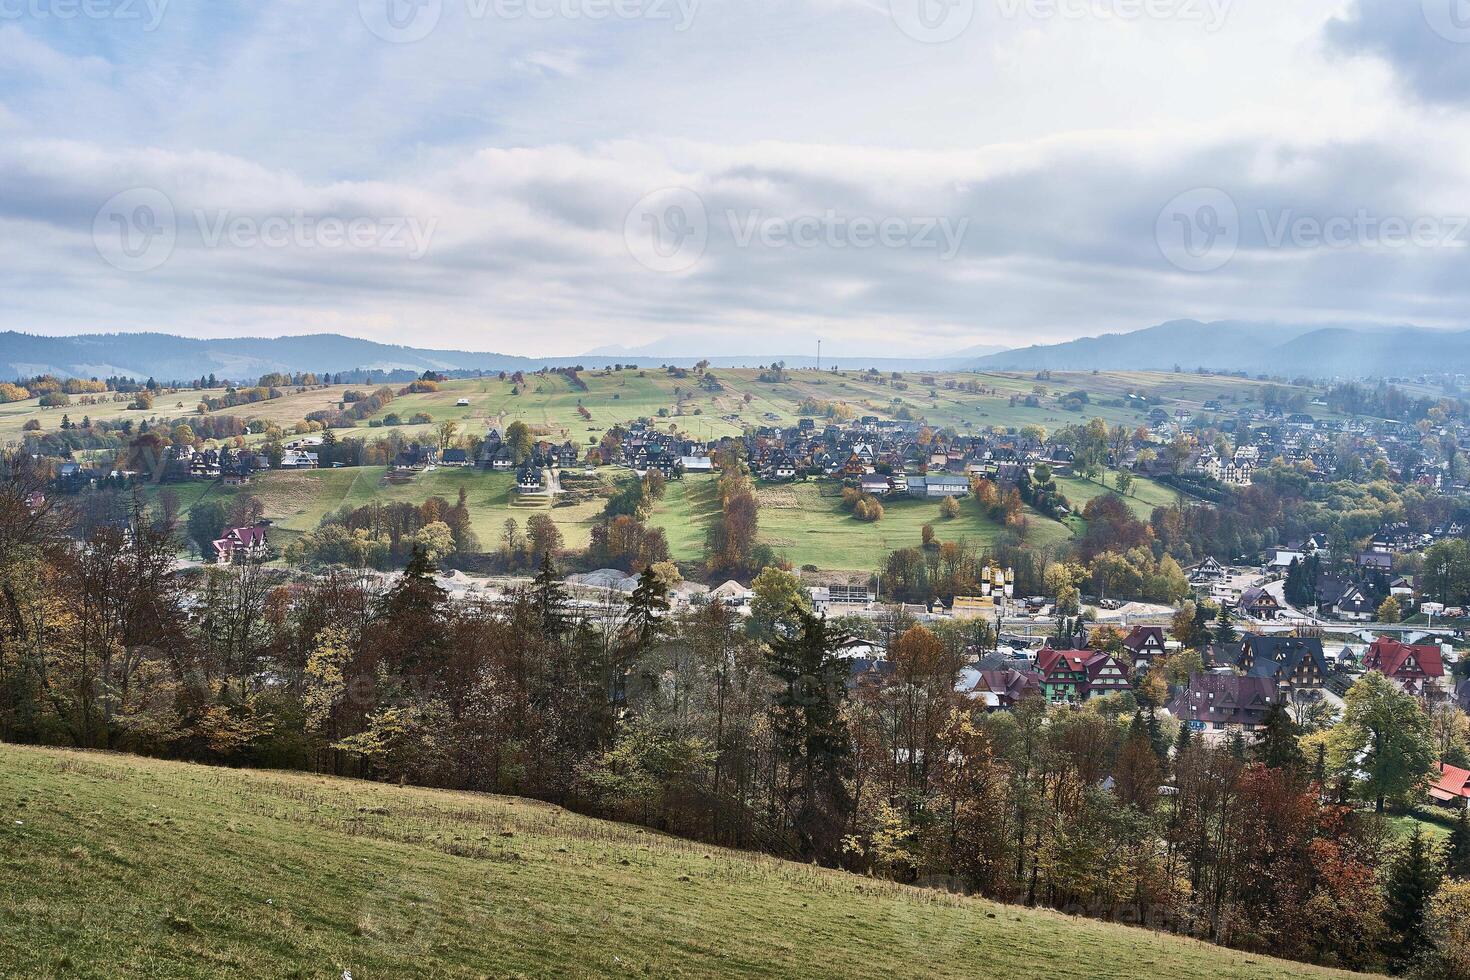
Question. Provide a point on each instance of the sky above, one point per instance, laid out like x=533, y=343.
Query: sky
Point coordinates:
x=730, y=176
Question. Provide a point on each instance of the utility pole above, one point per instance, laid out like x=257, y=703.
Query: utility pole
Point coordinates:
x=819, y=355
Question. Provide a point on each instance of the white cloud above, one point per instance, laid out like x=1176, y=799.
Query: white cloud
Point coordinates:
x=523, y=144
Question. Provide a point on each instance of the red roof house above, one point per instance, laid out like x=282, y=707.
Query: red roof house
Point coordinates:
x=1417, y=670
x=1450, y=788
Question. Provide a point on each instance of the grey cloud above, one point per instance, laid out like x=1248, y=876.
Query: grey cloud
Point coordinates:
x=1427, y=43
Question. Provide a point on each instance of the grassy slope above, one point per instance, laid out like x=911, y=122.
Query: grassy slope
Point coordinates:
x=115, y=866
x=1143, y=496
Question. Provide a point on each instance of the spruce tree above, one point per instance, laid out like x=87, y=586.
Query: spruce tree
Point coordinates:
x=1457, y=849
x=1276, y=744
x=1184, y=740
x=549, y=597
x=1412, y=881
x=1225, y=629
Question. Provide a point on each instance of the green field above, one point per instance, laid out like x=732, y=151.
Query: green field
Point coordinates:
x=115, y=866
x=1143, y=496
x=803, y=522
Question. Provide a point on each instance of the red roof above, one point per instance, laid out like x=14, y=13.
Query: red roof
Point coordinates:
x=1401, y=661
x=1451, y=784
x=1049, y=661
x=1141, y=635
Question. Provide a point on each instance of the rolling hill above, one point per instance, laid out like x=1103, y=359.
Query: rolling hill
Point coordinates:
x=121, y=866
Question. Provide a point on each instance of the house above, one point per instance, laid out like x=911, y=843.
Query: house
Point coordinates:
x=1063, y=674
x=530, y=479
x=241, y=544
x=875, y=484
x=1208, y=570
x=1216, y=705
x=697, y=464
x=1005, y=688
x=1451, y=787
x=1071, y=676
x=1145, y=644
x=1291, y=662
x=1105, y=675
x=415, y=459
x=457, y=458
x=1259, y=604
x=1417, y=670
x=462, y=403
x=298, y=459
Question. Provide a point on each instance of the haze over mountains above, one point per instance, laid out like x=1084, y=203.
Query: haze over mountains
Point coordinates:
x=1256, y=348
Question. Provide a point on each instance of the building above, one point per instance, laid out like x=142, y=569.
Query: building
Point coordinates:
x=1417, y=670
x=1259, y=604
x=241, y=544
x=1451, y=787
x=1073, y=676
x=1145, y=644
x=1292, y=662
x=1216, y=705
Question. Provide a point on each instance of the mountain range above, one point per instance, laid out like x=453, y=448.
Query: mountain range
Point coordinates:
x=1320, y=351
x=1317, y=351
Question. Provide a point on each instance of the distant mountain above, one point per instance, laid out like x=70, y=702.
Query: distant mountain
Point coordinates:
x=670, y=350
x=173, y=358
x=1229, y=345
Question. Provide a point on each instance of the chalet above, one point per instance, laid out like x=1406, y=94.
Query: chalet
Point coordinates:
x=1145, y=644
x=1450, y=787
x=1291, y=662
x=503, y=459
x=1073, y=676
x=875, y=483
x=1105, y=675
x=457, y=458
x=1005, y=688
x=241, y=544
x=1208, y=570
x=1216, y=705
x=530, y=479
x=415, y=459
x=1063, y=674
x=1259, y=604
x=1417, y=670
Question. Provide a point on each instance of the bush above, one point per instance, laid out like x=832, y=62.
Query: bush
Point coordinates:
x=949, y=508
x=868, y=509
x=55, y=399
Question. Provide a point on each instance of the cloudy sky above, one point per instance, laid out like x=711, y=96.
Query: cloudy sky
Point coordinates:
x=897, y=176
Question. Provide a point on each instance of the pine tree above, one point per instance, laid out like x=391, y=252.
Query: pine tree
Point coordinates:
x=1412, y=881
x=1225, y=629
x=549, y=597
x=811, y=731
x=650, y=600
x=1201, y=634
x=1276, y=744
x=1235, y=744
x=1457, y=849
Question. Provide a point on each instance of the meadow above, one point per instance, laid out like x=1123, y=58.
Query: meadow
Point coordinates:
x=115, y=866
x=804, y=522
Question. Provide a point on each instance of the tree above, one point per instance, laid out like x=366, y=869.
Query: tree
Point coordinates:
x=1387, y=729
x=1457, y=849
x=549, y=597
x=1225, y=633
x=518, y=438
x=542, y=535
x=205, y=525
x=811, y=731
x=949, y=508
x=777, y=595
x=1413, y=878
x=1276, y=745
x=1388, y=610
x=1447, y=927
